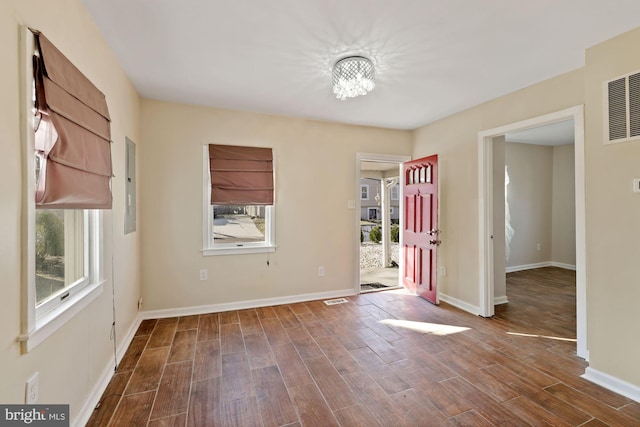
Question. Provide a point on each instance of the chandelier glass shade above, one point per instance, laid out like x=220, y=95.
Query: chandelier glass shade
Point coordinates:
x=353, y=76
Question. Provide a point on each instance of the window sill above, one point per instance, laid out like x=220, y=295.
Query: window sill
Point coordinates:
x=49, y=323
x=238, y=250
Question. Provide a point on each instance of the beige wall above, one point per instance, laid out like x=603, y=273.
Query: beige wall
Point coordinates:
x=455, y=140
x=613, y=229
x=563, y=206
x=71, y=360
x=542, y=204
x=530, y=170
x=315, y=177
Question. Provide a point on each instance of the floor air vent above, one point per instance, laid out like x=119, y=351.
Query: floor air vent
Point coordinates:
x=336, y=301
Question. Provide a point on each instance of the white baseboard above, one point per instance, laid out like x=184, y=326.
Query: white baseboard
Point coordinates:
x=460, y=304
x=563, y=265
x=528, y=266
x=240, y=305
x=612, y=383
x=500, y=300
x=107, y=373
x=540, y=265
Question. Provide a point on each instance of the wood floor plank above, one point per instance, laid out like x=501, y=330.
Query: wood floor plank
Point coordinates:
x=173, y=392
x=227, y=317
x=207, y=362
x=294, y=371
x=183, y=346
x=312, y=409
x=259, y=351
x=275, y=405
x=482, y=403
x=241, y=412
x=236, y=377
x=146, y=327
x=471, y=419
x=133, y=353
x=520, y=385
x=341, y=359
x=231, y=340
x=417, y=411
x=265, y=312
x=595, y=423
x=299, y=308
x=330, y=382
x=249, y=322
x=356, y=416
x=162, y=335
x=110, y=399
x=188, y=322
x=590, y=405
x=209, y=327
x=313, y=325
x=204, y=403
x=632, y=410
x=532, y=413
x=148, y=372
x=490, y=385
x=448, y=403
x=303, y=342
x=377, y=402
x=274, y=331
x=172, y=421
x=286, y=316
x=133, y=410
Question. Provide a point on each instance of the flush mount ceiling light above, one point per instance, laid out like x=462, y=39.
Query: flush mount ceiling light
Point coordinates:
x=353, y=76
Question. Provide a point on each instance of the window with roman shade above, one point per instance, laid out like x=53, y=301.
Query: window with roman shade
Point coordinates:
x=73, y=134
x=239, y=210
x=241, y=175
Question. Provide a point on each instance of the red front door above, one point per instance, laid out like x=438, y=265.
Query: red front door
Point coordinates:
x=420, y=233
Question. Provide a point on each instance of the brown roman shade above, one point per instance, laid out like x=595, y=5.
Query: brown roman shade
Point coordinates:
x=241, y=175
x=73, y=134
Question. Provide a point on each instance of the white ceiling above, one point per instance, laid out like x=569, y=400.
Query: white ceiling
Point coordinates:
x=433, y=57
x=560, y=133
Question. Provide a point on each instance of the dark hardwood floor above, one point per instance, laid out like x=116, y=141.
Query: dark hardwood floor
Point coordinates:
x=382, y=359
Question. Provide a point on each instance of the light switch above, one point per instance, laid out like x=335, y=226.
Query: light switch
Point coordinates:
x=351, y=204
x=636, y=185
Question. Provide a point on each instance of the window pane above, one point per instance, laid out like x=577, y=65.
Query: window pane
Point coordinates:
x=238, y=224
x=59, y=250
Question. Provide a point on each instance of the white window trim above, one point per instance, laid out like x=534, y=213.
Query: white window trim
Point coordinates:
x=361, y=187
x=267, y=246
x=36, y=327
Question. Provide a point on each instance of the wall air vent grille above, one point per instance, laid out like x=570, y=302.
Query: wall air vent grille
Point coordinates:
x=634, y=105
x=623, y=108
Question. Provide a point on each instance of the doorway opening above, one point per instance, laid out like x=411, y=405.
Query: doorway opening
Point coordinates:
x=378, y=221
x=493, y=263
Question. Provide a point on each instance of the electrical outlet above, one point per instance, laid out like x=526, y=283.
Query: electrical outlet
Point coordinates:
x=443, y=271
x=321, y=271
x=31, y=391
x=204, y=274
x=538, y=246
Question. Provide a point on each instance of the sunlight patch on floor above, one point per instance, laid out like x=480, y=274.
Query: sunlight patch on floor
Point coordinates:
x=425, y=327
x=542, y=336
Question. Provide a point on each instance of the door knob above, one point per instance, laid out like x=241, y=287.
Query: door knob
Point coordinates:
x=435, y=242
